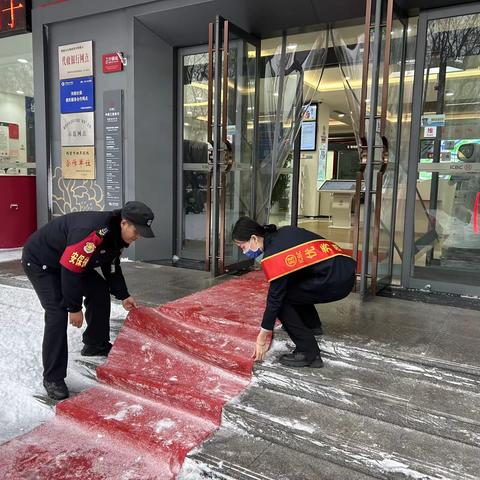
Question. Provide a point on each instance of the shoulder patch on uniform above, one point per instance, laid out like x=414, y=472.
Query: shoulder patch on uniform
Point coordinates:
x=76, y=257
x=102, y=232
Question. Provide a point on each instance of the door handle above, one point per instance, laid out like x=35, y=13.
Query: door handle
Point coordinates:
x=14, y=206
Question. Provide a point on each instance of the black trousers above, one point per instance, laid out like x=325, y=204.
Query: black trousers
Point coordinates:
x=47, y=285
x=299, y=315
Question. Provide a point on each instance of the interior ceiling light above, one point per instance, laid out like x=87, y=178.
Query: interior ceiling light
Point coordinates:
x=449, y=93
x=292, y=46
x=20, y=92
x=22, y=60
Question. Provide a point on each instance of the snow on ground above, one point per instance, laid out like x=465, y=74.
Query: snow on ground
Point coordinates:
x=21, y=331
x=9, y=254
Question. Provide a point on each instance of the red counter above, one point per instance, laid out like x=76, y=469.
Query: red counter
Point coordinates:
x=18, y=210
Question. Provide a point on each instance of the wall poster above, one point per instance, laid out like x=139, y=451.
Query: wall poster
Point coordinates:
x=78, y=162
x=78, y=129
x=75, y=60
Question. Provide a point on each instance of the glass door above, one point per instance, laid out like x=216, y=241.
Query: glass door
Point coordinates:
x=193, y=150
x=444, y=191
x=232, y=124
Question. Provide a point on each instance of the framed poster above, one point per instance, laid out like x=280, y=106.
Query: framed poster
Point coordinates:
x=9, y=140
x=76, y=95
x=78, y=129
x=308, y=133
x=78, y=163
x=75, y=60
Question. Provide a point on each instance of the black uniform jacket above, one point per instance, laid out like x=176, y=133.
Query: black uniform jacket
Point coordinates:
x=78, y=242
x=321, y=281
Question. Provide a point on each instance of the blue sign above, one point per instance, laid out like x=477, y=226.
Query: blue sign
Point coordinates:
x=76, y=95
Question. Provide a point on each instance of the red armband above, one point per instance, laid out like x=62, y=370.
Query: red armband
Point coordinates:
x=75, y=257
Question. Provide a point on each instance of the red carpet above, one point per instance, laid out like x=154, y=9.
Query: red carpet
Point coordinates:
x=161, y=392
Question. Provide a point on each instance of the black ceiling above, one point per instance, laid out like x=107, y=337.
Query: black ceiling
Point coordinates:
x=188, y=25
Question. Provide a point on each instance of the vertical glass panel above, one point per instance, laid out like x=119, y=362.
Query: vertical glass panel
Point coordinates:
x=242, y=64
x=292, y=70
x=340, y=97
x=194, y=156
x=404, y=147
x=447, y=237
x=396, y=77
x=17, y=109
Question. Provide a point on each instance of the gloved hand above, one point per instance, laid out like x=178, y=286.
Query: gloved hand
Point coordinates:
x=262, y=345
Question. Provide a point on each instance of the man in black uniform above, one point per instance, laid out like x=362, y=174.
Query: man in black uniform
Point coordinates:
x=60, y=260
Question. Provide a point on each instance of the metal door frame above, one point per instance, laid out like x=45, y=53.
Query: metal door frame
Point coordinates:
x=219, y=37
x=408, y=280
x=368, y=146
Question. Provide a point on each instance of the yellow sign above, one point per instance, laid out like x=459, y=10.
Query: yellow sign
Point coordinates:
x=78, y=163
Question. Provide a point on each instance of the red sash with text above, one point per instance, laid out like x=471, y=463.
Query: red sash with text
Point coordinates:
x=299, y=257
x=75, y=257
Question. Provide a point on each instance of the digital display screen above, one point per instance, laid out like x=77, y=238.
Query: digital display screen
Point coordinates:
x=338, y=185
x=15, y=17
x=308, y=134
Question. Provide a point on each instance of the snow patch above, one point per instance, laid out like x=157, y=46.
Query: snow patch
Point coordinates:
x=124, y=412
x=163, y=425
x=10, y=254
x=23, y=403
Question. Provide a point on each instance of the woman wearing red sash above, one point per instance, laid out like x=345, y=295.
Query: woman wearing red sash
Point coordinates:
x=303, y=269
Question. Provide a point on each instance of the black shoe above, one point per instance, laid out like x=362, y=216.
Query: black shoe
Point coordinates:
x=300, y=359
x=97, y=350
x=317, y=331
x=57, y=390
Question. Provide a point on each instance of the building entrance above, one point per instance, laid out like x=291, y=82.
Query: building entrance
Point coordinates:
x=219, y=91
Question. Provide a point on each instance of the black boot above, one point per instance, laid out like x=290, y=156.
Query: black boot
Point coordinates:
x=96, y=350
x=57, y=390
x=300, y=359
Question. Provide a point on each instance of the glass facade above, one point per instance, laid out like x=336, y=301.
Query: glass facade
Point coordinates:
x=446, y=231
x=17, y=108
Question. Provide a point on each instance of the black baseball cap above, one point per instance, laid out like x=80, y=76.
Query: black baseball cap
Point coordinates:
x=139, y=215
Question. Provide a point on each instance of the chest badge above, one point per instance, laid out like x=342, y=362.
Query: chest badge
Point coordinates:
x=89, y=247
x=102, y=232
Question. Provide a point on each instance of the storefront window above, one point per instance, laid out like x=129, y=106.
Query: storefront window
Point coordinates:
x=17, y=143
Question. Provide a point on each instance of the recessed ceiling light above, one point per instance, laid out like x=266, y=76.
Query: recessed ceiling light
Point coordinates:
x=22, y=60
x=20, y=92
x=341, y=115
x=292, y=46
x=449, y=93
